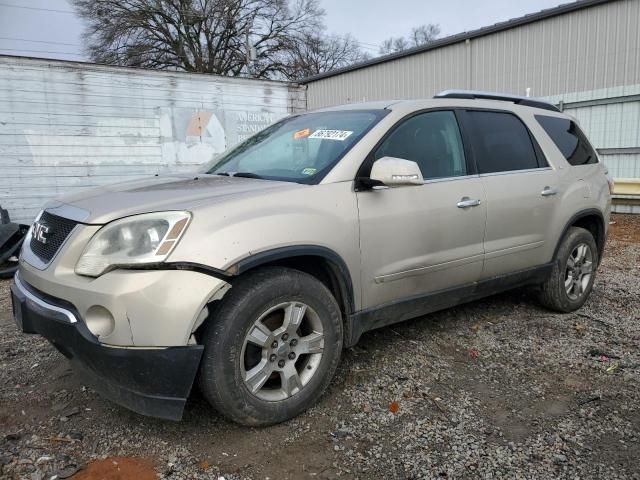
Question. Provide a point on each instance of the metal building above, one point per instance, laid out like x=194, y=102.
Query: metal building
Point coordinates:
x=583, y=56
x=65, y=126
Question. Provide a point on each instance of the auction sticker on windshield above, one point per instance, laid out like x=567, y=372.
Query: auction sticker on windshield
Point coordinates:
x=301, y=134
x=340, y=135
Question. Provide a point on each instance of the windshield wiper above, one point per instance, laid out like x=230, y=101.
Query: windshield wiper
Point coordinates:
x=239, y=174
x=247, y=175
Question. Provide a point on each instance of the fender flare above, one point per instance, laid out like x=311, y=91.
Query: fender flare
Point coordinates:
x=337, y=264
x=582, y=214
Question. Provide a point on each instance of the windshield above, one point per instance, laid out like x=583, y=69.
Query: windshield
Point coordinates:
x=300, y=149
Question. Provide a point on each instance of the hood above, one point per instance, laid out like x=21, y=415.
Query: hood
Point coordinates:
x=175, y=192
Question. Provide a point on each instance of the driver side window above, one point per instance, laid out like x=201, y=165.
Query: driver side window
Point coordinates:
x=430, y=139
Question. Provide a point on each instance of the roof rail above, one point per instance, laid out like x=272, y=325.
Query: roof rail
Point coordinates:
x=472, y=94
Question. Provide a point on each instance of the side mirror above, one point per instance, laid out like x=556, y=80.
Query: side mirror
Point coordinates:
x=395, y=172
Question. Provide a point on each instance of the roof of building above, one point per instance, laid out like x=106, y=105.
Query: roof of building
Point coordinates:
x=82, y=64
x=461, y=37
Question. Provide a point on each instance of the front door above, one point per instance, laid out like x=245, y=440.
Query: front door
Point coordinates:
x=421, y=239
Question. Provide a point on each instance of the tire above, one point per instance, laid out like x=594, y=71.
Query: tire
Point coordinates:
x=567, y=288
x=265, y=298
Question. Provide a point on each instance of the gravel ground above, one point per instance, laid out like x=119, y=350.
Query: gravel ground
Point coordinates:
x=498, y=388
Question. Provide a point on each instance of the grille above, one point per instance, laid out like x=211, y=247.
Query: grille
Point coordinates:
x=59, y=230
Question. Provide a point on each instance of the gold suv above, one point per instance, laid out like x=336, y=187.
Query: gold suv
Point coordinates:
x=252, y=276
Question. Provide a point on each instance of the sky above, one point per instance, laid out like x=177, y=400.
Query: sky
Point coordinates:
x=48, y=28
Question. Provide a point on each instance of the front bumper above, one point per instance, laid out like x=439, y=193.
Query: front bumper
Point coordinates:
x=150, y=381
x=148, y=308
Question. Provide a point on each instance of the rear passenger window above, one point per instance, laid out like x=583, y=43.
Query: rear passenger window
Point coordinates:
x=501, y=142
x=569, y=139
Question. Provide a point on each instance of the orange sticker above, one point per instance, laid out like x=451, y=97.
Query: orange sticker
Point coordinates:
x=301, y=134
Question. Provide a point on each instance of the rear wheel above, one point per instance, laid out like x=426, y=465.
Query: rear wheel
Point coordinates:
x=272, y=347
x=573, y=274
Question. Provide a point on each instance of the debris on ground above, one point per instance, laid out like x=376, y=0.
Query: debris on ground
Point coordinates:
x=536, y=403
x=11, y=238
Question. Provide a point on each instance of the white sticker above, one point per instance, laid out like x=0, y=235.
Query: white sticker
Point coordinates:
x=340, y=135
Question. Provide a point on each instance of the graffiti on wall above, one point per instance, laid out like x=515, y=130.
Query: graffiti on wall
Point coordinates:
x=192, y=136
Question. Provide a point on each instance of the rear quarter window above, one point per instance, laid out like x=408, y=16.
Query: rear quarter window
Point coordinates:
x=569, y=139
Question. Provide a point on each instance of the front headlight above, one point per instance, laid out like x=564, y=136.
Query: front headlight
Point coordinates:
x=138, y=240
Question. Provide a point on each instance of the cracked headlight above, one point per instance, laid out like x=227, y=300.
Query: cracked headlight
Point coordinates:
x=137, y=240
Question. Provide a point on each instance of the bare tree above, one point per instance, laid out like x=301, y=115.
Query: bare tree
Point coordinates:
x=317, y=53
x=394, y=44
x=422, y=35
x=213, y=36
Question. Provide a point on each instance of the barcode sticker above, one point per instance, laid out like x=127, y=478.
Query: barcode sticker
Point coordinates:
x=340, y=135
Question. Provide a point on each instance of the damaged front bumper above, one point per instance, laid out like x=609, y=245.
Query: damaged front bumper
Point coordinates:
x=150, y=381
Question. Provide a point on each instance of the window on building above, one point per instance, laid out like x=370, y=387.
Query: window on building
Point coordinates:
x=569, y=139
x=501, y=142
x=430, y=139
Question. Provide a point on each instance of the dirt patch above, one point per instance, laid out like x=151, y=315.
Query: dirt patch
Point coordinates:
x=625, y=228
x=118, y=468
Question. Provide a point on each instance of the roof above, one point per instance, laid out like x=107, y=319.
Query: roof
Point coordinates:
x=518, y=100
x=461, y=37
x=494, y=102
x=374, y=105
x=444, y=98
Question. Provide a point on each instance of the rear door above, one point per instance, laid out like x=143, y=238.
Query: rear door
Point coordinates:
x=424, y=238
x=521, y=190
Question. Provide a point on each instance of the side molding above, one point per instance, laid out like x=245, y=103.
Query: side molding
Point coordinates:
x=405, y=309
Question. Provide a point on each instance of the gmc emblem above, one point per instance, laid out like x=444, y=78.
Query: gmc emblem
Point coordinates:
x=40, y=231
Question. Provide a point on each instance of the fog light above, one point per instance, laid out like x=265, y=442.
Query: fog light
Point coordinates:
x=99, y=321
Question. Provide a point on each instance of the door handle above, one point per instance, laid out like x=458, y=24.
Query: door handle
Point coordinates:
x=466, y=202
x=548, y=191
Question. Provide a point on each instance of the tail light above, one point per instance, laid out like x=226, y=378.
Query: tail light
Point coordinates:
x=611, y=183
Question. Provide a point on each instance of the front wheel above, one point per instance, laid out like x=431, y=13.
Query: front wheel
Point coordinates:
x=271, y=348
x=573, y=273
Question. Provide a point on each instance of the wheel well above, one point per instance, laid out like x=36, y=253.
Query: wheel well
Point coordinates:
x=332, y=276
x=594, y=224
x=322, y=269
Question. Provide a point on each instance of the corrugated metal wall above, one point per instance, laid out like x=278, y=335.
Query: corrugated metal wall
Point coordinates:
x=593, y=48
x=418, y=76
x=611, y=119
x=588, y=59
x=584, y=50
x=67, y=126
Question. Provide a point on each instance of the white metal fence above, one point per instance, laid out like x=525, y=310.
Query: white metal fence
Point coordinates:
x=66, y=126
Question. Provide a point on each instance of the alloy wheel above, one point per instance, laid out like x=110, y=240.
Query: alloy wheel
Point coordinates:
x=578, y=271
x=282, y=351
